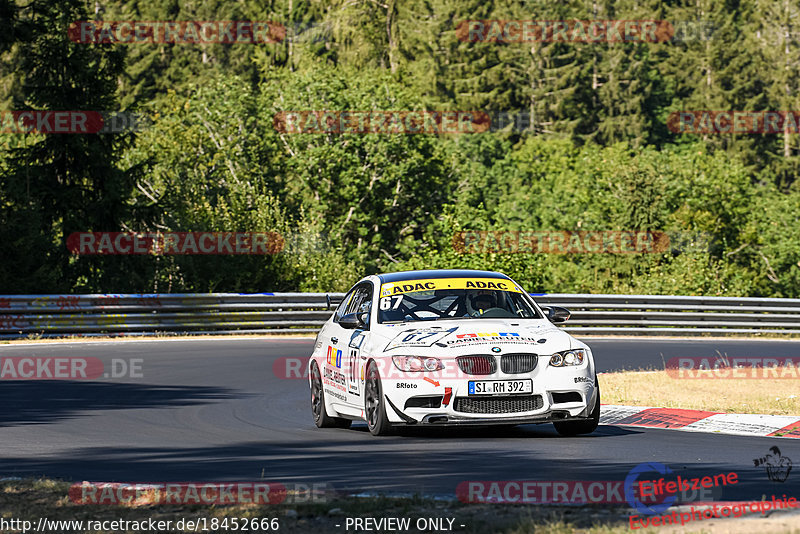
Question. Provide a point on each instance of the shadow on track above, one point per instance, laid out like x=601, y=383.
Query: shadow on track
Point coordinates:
x=381, y=467
x=543, y=431
x=44, y=401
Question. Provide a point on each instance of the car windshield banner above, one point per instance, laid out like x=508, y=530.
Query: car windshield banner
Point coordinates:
x=411, y=286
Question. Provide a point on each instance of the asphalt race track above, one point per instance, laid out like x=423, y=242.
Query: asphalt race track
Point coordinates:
x=213, y=410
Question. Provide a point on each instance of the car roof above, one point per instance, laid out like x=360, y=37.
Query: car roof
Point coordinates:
x=439, y=273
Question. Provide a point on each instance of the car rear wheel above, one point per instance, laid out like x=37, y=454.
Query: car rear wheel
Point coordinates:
x=573, y=428
x=374, y=405
x=321, y=417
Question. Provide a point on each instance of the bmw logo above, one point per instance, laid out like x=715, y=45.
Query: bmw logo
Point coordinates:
x=495, y=349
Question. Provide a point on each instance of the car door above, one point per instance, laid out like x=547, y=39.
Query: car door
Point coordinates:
x=333, y=347
x=357, y=342
x=342, y=348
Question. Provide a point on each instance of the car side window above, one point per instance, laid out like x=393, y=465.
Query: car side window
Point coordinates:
x=341, y=310
x=359, y=300
x=364, y=304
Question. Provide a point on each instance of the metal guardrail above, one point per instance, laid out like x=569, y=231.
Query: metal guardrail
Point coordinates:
x=148, y=314
x=667, y=314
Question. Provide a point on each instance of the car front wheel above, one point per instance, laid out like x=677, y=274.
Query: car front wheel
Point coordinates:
x=374, y=405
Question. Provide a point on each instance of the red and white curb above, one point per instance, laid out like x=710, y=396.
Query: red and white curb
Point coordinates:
x=780, y=426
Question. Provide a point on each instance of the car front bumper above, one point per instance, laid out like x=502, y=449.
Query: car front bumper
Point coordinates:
x=557, y=399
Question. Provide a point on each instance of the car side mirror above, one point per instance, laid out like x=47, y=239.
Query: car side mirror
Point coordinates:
x=557, y=314
x=351, y=321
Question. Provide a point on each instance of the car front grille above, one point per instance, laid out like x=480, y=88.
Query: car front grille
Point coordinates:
x=516, y=404
x=514, y=364
x=477, y=365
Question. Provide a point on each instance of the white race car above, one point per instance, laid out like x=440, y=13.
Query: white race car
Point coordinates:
x=450, y=347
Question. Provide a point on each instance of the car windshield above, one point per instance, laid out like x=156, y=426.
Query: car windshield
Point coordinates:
x=430, y=300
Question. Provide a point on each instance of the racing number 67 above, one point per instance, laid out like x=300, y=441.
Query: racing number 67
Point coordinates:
x=386, y=302
x=418, y=336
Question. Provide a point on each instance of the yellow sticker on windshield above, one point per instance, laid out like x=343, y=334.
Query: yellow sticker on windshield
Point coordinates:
x=431, y=284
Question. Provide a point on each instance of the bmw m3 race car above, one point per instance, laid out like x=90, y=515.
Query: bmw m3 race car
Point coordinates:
x=450, y=347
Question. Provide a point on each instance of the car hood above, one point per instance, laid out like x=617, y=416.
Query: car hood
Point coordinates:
x=470, y=336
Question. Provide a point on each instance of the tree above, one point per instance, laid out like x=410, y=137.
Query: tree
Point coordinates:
x=57, y=184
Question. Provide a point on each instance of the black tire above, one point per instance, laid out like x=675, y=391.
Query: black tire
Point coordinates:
x=573, y=428
x=321, y=417
x=374, y=404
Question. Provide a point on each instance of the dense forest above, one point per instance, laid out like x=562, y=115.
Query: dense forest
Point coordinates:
x=595, y=153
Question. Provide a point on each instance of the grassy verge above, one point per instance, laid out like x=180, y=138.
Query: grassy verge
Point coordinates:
x=706, y=392
x=31, y=499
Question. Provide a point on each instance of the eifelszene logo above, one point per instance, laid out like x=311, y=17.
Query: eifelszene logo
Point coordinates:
x=777, y=465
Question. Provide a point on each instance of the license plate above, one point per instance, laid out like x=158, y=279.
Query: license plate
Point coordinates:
x=499, y=387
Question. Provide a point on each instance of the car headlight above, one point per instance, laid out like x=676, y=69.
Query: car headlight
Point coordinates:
x=417, y=363
x=568, y=357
